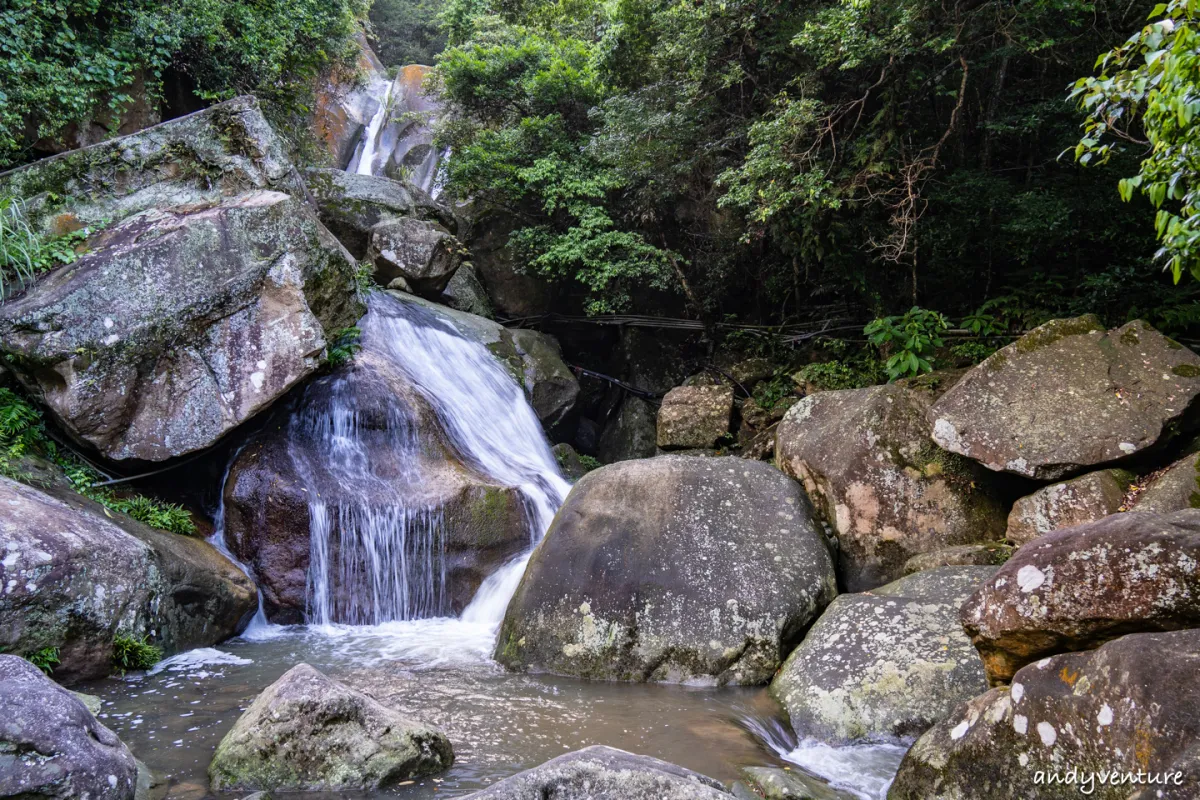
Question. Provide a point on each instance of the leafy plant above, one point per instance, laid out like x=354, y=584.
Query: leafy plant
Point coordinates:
x=134, y=653
x=45, y=659
x=972, y=352
x=589, y=462
x=364, y=278
x=770, y=392
x=910, y=339
x=344, y=344
x=24, y=254
x=840, y=374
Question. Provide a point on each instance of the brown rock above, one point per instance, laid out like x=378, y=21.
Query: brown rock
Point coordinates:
x=1077, y=588
x=1069, y=396
x=1174, y=489
x=866, y=460
x=694, y=416
x=423, y=253
x=1131, y=706
x=1074, y=502
x=981, y=555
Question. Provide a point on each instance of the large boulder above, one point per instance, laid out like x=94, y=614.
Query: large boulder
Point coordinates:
x=694, y=416
x=287, y=486
x=1062, y=505
x=1133, y=706
x=423, y=253
x=346, y=96
x=1076, y=588
x=1173, y=489
x=51, y=747
x=76, y=576
x=1069, y=396
x=514, y=291
x=671, y=569
x=466, y=293
x=306, y=732
x=631, y=433
x=885, y=664
x=605, y=773
x=197, y=308
x=866, y=460
x=351, y=205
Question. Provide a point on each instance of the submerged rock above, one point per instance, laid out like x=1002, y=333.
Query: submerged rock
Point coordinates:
x=885, y=664
x=694, y=417
x=77, y=575
x=1069, y=396
x=671, y=569
x=306, y=732
x=1061, y=505
x=1077, y=588
x=1133, y=706
x=866, y=460
x=210, y=294
x=423, y=253
x=605, y=773
x=51, y=747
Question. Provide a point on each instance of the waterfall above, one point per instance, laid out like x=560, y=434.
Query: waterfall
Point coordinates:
x=363, y=160
x=375, y=556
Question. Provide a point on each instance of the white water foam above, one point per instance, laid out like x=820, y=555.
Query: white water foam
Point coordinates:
x=363, y=161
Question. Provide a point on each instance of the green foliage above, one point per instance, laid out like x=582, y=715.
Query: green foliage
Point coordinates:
x=1153, y=81
x=23, y=433
x=841, y=374
x=769, y=393
x=589, y=462
x=344, y=344
x=909, y=341
x=65, y=62
x=972, y=352
x=24, y=254
x=134, y=653
x=45, y=659
x=407, y=31
x=364, y=278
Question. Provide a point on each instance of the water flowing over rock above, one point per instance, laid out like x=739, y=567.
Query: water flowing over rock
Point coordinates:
x=866, y=460
x=306, y=732
x=51, y=747
x=886, y=664
x=1076, y=588
x=397, y=484
x=346, y=99
x=671, y=569
x=605, y=773
x=74, y=579
x=1069, y=396
x=207, y=298
x=1133, y=706
x=1062, y=505
x=398, y=140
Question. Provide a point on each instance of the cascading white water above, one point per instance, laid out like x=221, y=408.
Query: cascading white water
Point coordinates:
x=363, y=160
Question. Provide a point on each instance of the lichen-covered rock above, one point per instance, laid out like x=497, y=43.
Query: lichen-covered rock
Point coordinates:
x=466, y=292
x=423, y=253
x=979, y=555
x=772, y=783
x=1076, y=588
x=694, y=416
x=350, y=205
x=1133, y=706
x=605, y=773
x=569, y=462
x=75, y=576
x=631, y=433
x=1074, y=502
x=51, y=747
x=306, y=732
x=866, y=460
x=884, y=664
x=1176, y=488
x=671, y=569
x=1068, y=396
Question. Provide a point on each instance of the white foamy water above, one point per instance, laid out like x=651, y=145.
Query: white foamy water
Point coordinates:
x=363, y=160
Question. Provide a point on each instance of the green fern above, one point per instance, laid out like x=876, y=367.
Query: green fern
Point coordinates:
x=134, y=653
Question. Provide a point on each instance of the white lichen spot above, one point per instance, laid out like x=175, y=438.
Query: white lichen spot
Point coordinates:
x=257, y=378
x=1047, y=733
x=108, y=323
x=1018, y=691
x=1105, y=717
x=1127, y=447
x=960, y=730
x=1020, y=723
x=1023, y=759
x=1029, y=578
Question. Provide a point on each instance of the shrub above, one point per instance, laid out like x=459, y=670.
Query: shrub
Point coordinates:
x=45, y=659
x=343, y=345
x=134, y=653
x=910, y=339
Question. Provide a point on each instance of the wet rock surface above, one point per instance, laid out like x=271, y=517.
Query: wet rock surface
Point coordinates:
x=76, y=576
x=51, y=747
x=1074, y=502
x=605, y=773
x=671, y=569
x=306, y=732
x=1131, y=706
x=1077, y=588
x=1068, y=396
x=866, y=460
x=885, y=664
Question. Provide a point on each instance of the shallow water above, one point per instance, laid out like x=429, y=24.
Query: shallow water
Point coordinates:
x=438, y=671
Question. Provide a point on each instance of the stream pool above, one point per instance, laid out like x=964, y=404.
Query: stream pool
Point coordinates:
x=440, y=671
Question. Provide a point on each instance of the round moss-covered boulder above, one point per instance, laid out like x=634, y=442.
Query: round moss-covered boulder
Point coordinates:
x=674, y=569
x=885, y=664
x=1068, y=396
x=867, y=462
x=306, y=732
